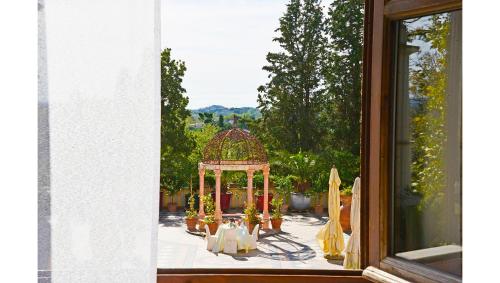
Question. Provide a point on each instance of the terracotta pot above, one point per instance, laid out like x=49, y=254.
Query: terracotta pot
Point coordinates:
x=172, y=207
x=250, y=228
x=345, y=212
x=318, y=210
x=284, y=208
x=201, y=225
x=276, y=223
x=260, y=202
x=191, y=223
x=212, y=227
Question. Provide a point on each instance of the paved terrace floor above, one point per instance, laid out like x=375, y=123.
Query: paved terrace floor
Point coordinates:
x=293, y=248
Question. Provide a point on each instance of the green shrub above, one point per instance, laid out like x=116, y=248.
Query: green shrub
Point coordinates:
x=276, y=205
x=251, y=214
x=208, y=204
x=191, y=212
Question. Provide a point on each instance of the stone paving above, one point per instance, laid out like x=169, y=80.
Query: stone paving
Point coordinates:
x=293, y=248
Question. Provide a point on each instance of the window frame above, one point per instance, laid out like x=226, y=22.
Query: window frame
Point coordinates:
x=376, y=139
x=377, y=134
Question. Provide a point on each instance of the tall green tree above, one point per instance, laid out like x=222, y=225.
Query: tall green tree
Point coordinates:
x=221, y=121
x=291, y=100
x=176, y=143
x=206, y=117
x=343, y=74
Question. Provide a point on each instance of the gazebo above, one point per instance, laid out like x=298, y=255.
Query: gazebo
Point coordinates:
x=234, y=150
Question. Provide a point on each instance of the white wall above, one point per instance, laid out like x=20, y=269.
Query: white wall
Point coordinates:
x=99, y=66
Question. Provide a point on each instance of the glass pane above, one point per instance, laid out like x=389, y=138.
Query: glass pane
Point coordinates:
x=427, y=186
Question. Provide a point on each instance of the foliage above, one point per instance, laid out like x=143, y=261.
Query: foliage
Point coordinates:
x=291, y=100
x=208, y=205
x=302, y=167
x=347, y=164
x=201, y=138
x=251, y=214
x=276, y=205
x=220, y=123
x=428, y=82
x=258, y=180
x=320, y=185
x=346, y=191
x=342, y=72
x=228, y=112
x=191, y=212
x=206, y=117
x=176, y=144
x=283, y=185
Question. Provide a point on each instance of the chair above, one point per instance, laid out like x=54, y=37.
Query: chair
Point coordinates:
x=254, y=237
x=210, y=239
x=230, y=243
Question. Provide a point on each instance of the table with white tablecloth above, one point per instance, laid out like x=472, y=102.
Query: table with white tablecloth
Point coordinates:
x=243, y=238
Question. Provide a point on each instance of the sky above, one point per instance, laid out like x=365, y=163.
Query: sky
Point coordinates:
x=224, y=44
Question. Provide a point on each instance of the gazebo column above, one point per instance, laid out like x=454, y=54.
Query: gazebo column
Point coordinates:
x=265, y=212
x=218, y=211
x=249, y=186
x=201, y=172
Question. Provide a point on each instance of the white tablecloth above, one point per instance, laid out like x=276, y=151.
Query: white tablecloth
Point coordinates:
x=243, y=238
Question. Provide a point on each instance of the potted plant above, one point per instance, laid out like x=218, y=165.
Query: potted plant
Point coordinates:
x=318, y=206
x=251, y=217
x=209, y=219
x=320, y=186
x=302, y=166
x=187, y=199
x=191, y=214
x=259, y=199
x=171, y=192
x=258, y=181
x=163, y=191
x=276, y=216
x=225, y=196
x=283, y=186
x=345, y=209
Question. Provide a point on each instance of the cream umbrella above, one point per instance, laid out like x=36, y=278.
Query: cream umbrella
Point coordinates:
x=352, y=254
x=330, y=236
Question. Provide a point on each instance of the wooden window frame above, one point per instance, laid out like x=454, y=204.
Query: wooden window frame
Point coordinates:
x=376, y=135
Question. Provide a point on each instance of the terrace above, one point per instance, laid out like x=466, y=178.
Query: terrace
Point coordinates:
x=295, y=247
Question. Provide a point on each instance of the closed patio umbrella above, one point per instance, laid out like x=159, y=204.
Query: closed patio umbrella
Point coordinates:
x=352, y=254
x=330, y=236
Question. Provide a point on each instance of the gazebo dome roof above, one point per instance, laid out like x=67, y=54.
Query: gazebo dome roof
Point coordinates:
x=234, y=146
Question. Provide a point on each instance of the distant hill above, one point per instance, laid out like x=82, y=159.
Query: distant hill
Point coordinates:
x=225, y=111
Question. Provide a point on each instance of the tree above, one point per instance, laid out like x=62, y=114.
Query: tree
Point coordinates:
x=291, y=101
x=206, y=117
x=176, y=143
x=221, y=121
x=343, y=74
